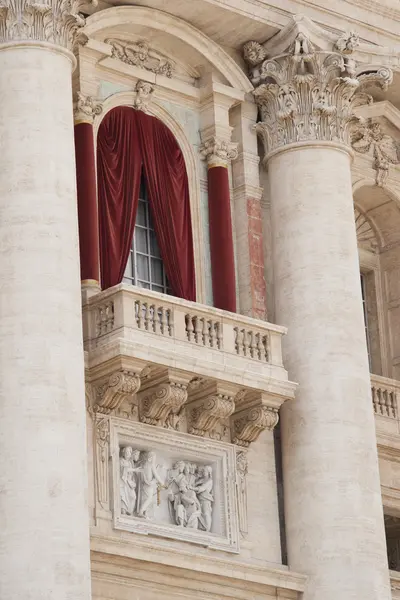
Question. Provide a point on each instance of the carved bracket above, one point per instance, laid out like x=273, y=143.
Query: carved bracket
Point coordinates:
x=117, y=389
x=209, y=405
x=163, y=395
x=256, y=413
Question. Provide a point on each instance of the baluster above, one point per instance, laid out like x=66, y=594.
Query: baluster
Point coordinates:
x=386, y=400
x=252, y=344
x=246, y=342
x=163, y=320
x=380, y=400
x=205, y=333
x=220, y=338
x=212, y=334
x=189, y=327
x=374, y=399
x=171, y=322
x=146, y=307
x=260, y=346
x=239, y=341
x=198, y=326
x=139, y=314
x=157, y=319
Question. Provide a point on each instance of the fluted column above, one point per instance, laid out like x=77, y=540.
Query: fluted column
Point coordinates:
x=218, y=153
x=333, y=507
x=85, y=109
x=44, y=537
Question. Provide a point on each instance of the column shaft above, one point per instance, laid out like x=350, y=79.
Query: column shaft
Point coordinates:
x=221, y=239
x=44, y=540
x=333, y=507
x=87, y=203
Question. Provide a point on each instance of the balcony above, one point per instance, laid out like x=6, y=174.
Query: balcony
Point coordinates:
x=223, y=363
x=385, y=400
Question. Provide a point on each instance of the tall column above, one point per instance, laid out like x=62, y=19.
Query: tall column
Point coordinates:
x=218, y=153
x=85, y=109
x=333, y=507
x=44, y=537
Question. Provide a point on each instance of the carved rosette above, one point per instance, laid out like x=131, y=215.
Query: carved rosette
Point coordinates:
x=119, y=388
x=218, y=152
x=86, y=108
x=161, y=405
x=249, y=423
x=308, y=94
x=55, y=21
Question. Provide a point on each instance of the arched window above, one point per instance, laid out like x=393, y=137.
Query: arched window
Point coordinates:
x=145, y=267
x=131, y=146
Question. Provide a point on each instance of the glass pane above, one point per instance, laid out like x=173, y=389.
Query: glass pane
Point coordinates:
x=158, y=288
x=128, y=269
x=154, y=249
x=157, y=271
x=141, y=240
x=141, y=214
x=142, y=265
x=143, y=284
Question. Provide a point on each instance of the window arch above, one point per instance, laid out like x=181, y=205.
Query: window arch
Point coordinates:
x=130, y=143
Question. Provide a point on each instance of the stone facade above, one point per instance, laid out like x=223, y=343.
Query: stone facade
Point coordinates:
x=185, y=487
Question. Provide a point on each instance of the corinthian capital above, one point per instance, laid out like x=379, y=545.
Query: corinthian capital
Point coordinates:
x=218, y=152
x=308, y=87
x=85, y=108
x=55, y=21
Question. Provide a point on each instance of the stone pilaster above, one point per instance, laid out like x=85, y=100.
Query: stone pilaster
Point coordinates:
x=307, y=85
x=42, y=426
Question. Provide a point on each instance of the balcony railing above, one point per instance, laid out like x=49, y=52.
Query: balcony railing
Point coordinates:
x=174, y=332
x=385, y=400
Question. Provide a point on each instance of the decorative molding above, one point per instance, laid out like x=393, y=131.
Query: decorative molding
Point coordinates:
x=58, y=22
x=347, y=42
x=209, y=406
x=369, y=138
x=218, y=152
x=162, y=398
x=102, y=444
x=86, y=108
x=254, y=53
x=241, y=490
x=144, y=92
x=366, y=237
x=255, y=412
x=118, y=389
x=140, y=54
x=306, y=93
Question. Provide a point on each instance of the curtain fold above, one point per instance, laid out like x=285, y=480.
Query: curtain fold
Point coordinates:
x=128, y=141
x=119, y=167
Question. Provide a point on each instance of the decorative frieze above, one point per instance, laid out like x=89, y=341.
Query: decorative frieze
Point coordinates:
x=86, y=108
x=163, y=395
x=144, y=92
x=209, y=407
x=241, y=490
x=218, y=152
x=140, y=54
x=307, y=93
x=102, y=449
x=58, y=22
x=369, y=137
x=118, y=388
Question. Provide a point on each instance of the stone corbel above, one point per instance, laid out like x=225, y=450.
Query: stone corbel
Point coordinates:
x=117, y=389
x=85, y=109
x=210, y=404
x=256, y=411
x=163, y=394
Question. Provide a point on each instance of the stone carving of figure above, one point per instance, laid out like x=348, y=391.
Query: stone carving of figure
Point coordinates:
x=188, y=508
x=149, y=484
x=127, y=484
x=204, y=491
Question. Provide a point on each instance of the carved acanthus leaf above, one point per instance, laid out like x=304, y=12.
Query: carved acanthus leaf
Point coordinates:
x=209, y=407
x=86, y=108
x=140, y=54
x=55, y=21
x=217, y=151
x=249, y=423
x=119, y=388
x=307, y=94
x=369, y=137
x=161, y=404
x=348, y=42
x=144, y=91
x=254, y=53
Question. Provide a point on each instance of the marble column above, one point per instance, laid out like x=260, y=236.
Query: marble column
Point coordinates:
x=85, y=109
x=333, y=507
x=44, y=537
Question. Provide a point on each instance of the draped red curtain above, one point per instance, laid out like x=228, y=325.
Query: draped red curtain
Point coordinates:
x=128, y=141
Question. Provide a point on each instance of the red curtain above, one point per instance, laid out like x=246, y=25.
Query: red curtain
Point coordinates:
x=128, y=141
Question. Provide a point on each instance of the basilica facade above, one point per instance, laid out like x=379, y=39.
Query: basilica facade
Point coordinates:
x=199, y=300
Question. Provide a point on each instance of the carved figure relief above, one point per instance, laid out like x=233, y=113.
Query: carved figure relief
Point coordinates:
x=128, y=482
x=370, y=137
x=191, y=495
x=140, y=482
x=141, y=55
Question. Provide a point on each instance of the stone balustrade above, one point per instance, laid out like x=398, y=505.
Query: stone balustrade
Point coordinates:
x=162, y=357
x=385, y=400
